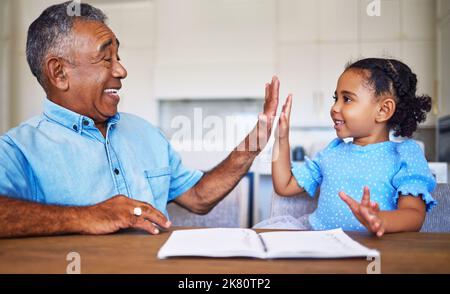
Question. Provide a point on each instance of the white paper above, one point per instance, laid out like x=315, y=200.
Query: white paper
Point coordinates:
x=313, y=244
x=217, y=242
x=226, y=242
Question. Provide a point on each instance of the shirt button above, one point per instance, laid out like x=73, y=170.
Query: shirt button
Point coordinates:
x=116, y=171
x=75, y=127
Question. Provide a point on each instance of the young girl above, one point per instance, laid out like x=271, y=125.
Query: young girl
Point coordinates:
x=370, y=183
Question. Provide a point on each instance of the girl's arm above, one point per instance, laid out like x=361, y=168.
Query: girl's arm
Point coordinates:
x=284, y=182
x=409, y=216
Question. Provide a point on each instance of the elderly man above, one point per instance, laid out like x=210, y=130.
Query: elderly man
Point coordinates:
x=82, y=167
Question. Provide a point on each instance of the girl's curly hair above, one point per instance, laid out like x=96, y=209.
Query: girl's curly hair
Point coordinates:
x=390, y=76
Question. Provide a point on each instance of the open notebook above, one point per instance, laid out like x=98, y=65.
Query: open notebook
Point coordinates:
x=225, y=242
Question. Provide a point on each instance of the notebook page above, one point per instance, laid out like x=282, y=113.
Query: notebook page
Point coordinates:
x=314, y=244
x=214, y=242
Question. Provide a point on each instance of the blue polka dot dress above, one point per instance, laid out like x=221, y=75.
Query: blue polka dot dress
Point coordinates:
x=388, y=168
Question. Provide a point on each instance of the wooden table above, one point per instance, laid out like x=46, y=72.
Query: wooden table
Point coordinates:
x=135, y=252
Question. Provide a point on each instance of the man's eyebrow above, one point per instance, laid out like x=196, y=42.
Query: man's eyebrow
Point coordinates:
x=104, y=45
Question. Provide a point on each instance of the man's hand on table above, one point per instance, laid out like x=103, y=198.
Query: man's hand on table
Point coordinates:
x=118, y=213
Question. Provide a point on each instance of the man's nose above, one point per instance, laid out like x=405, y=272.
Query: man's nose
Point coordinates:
x=119, y=71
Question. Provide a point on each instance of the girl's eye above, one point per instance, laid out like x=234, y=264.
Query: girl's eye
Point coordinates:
x=335, y=98
x=346, y=99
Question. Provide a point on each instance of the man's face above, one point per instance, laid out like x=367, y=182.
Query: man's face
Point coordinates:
x=95, y=78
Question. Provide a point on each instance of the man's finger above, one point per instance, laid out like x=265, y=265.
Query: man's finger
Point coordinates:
x=268, y=91
x=271, y=103
x=275, y=93
x=275, y=89
x=267, y=96
x=262, y=122
x=152, y=214
x=264, y=131
x=146, y=225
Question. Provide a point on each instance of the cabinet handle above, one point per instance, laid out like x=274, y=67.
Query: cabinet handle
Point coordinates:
x=435, y=98
x=318, y=105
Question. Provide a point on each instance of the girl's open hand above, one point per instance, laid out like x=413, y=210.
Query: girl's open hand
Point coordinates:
x=282, y=130
x=367, y=212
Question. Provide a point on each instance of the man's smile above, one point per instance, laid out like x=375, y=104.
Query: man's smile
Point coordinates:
x=112, y=93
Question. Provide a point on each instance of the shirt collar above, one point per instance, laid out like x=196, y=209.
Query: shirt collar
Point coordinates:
x=72, y=120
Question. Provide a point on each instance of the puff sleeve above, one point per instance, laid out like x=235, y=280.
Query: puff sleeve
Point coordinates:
x=414, y=176
x=308, y=173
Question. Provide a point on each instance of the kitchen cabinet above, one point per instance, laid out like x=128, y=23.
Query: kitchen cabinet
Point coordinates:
x=385, y=27
x=317, y=38
x=299, y=74
x=214, y=49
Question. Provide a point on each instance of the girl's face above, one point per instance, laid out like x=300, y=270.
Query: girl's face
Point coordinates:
x=355, y=108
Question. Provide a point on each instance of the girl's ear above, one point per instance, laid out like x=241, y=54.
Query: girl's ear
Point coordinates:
x=386, y=109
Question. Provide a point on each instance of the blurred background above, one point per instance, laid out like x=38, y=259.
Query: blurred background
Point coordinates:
x=214, y=56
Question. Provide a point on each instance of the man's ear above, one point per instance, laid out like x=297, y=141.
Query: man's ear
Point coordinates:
x=56, y=74
x=386, y=109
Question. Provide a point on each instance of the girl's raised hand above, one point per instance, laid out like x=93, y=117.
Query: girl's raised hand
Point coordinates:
x=367, y=212
x=282, y=130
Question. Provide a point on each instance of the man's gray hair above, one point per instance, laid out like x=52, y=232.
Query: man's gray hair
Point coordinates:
x=50, y=33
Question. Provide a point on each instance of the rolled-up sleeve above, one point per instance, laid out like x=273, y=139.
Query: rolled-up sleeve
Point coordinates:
x=16, y=179
x=181, y=178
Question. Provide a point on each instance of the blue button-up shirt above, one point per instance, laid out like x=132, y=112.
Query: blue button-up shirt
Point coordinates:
x=61, y=158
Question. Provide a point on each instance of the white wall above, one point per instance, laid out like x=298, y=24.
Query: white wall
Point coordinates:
x=223, y=48
x=4, y=54
x=26, y=94
x=134, y=25
x=214, y=49
x=5, y=47
x=443, y=29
